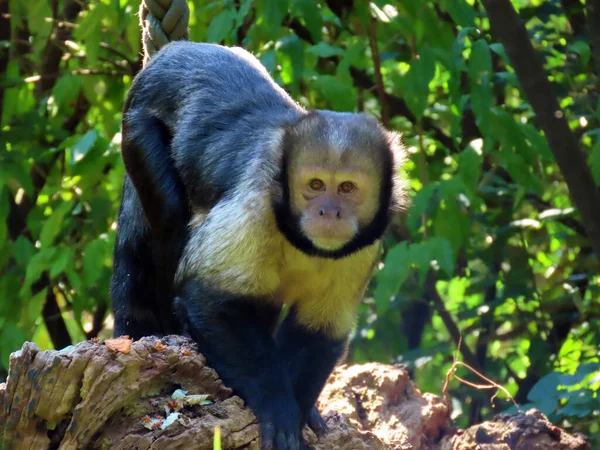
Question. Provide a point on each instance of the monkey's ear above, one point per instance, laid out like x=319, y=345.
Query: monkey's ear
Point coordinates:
x=400, y=199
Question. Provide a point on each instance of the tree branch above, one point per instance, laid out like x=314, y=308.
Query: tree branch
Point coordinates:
x=509, y=29
x=372, y=33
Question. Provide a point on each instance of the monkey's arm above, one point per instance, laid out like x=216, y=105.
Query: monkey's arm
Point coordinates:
x=233, y=333
x=309, y=357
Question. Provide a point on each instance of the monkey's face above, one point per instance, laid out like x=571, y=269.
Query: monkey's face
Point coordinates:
x=333, y=202
x=339, y=183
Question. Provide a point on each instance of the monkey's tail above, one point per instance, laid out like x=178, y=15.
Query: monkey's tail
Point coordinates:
x=162, y=21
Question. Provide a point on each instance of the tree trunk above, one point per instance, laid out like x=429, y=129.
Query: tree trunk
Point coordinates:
x=160, y=394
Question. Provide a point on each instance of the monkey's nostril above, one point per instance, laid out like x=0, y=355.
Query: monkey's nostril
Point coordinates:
x=337, y=215
x=321, y=212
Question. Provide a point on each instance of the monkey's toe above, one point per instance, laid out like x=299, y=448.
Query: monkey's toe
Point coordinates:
x=280, y=433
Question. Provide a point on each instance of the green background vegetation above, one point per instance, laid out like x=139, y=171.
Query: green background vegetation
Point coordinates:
x=493, y=248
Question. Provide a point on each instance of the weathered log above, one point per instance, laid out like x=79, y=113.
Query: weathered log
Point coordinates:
x=160, y=394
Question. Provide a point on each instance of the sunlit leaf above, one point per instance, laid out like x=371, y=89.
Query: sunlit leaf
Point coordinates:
x=53, y=224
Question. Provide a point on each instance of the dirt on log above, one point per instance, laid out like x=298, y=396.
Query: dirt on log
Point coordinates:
x=160, y=394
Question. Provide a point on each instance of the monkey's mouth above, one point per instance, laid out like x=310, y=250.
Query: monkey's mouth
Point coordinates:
x=329, y=240
x=328, y=243
x=329, y=237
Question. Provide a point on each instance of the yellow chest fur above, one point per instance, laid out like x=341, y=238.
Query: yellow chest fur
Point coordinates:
x=325, y=292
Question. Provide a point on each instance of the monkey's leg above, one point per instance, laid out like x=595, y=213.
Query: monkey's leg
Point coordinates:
x=309, y=357
x=233, y=334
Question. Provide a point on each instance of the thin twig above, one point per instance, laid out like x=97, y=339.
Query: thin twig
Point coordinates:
x=372, y=33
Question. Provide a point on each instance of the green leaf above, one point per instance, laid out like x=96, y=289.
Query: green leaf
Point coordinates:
x=23, y=251
x=64, y=259
x=83, y=146
x=415, y=84
x=242, y=12
x=421, y=203
x=311, y=14
x=469, y=168
x=441, y=250
x=595, y=161
x=93, y=260
x=581, y=404
x=583, y=50
x=480, y=62
x=545, y=393
x=11, y=340
x=582, y=372
x=293, y=66
x=20, y=174
x=66, y=90
x=11, y=95
x=449, y=222
x=340, y=94
x=35, y=305
x=220, y=26
x=499, y=50
x=521, y=171
x=272, y=12
x=74, y=279
x=391, y=277
x=53, y=224
x=538, y=142
x=419, y=254
x=325, y=50
x=269, y=60
x=37, y=265
x=461, y=12
x=4, y=211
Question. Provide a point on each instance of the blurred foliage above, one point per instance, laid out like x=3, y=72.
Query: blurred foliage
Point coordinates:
x=492, y=247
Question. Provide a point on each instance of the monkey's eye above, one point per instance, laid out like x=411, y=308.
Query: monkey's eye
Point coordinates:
x=316, y=185
x=347, y=187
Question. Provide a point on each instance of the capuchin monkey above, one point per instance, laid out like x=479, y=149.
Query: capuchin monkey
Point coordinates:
x=236, y=201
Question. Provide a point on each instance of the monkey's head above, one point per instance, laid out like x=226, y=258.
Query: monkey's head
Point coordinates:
x=340, y=183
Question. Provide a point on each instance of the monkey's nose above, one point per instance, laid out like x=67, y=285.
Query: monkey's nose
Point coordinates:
x=329, y=212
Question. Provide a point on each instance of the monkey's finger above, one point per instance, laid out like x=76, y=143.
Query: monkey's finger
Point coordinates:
x=293, y=443
x=286, y=442
x=268, y=436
